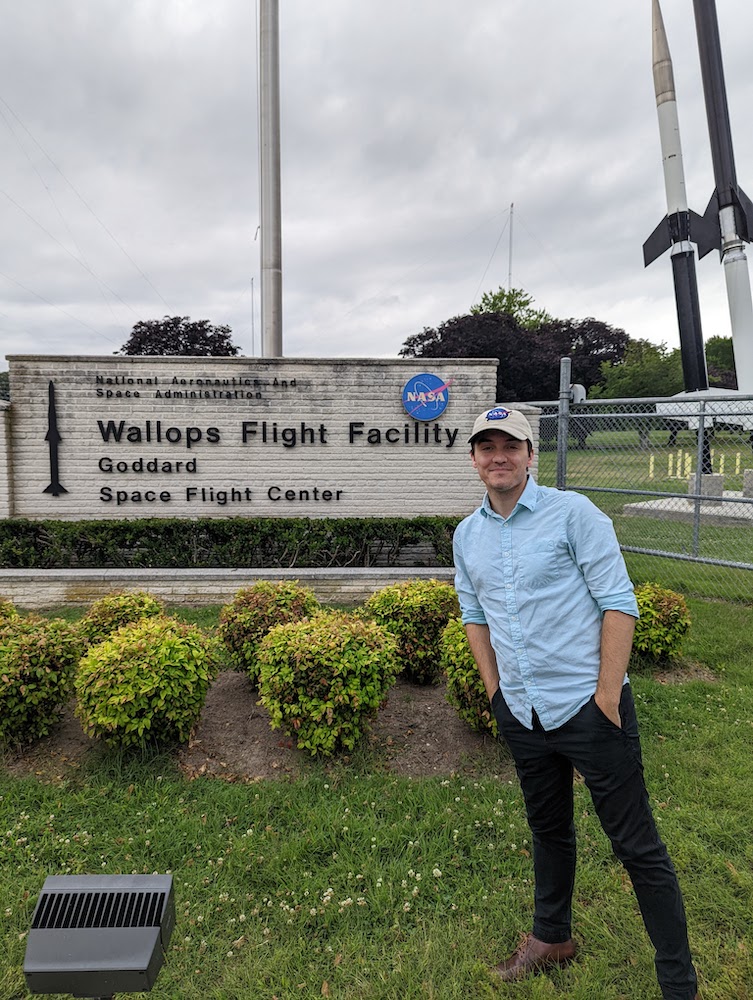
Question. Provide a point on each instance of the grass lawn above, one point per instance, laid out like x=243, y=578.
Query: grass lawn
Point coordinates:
x=350, y=882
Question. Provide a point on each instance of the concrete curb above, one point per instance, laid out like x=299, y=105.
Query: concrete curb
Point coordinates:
x=34, y=588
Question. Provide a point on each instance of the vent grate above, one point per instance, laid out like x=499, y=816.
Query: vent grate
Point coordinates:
x=68, y=910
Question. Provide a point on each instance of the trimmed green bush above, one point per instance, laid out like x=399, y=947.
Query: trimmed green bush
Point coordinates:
x=146, y=683
x=254, y=611
x=7, y=611
x=114, y=610
x=324, y=678
x=664, y=621
x=416, y=612
x=465, y=689
x=37, y=660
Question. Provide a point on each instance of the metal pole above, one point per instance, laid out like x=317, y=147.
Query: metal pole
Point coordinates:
x=509, y=252
x=253, y=321
x=563, y=422
x=269, y=164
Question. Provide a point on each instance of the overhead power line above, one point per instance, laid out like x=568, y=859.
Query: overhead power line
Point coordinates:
x=83, y=201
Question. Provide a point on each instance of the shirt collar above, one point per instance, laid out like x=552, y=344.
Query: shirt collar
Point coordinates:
x=529, y=498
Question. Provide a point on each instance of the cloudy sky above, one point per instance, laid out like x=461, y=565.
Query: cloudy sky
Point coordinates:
x=129, y=181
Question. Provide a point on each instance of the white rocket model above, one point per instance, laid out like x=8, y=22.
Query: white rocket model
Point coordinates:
x=675, y=228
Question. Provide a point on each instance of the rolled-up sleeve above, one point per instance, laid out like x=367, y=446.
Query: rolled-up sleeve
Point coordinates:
x=595, y=548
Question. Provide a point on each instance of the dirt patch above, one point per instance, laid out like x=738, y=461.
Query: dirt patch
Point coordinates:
x=54, y=756
x=680, y=673
x=416, y=733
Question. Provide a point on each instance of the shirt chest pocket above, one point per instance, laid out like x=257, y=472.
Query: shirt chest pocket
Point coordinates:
x=538, y=563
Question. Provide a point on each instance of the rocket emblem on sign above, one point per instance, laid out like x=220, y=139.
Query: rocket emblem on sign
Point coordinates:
x=52, y=437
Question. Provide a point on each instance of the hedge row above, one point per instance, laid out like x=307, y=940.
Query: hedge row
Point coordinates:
x=211, y=543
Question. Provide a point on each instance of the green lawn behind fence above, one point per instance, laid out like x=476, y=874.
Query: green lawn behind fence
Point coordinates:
x=613, y=460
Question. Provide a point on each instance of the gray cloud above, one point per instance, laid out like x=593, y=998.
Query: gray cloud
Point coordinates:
x=128, y=149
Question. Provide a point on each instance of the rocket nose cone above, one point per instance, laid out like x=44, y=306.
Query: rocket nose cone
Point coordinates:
x=664, y=80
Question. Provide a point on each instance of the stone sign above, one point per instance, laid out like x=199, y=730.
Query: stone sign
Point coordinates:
x=124, y=437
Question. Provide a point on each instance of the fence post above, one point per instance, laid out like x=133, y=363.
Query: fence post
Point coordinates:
x=702, y=456
x=563, y=422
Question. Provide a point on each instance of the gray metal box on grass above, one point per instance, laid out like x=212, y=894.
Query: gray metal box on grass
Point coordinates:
x=96, y=935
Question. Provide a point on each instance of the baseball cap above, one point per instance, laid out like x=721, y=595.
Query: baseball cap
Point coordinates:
x=499, y=418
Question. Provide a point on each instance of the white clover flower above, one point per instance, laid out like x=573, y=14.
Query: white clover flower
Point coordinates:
x=437, y=873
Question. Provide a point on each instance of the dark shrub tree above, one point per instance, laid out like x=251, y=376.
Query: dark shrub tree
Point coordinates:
x=528, y=358
x=180, y=335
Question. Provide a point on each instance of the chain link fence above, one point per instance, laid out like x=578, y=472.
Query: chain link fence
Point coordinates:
x=674, y=474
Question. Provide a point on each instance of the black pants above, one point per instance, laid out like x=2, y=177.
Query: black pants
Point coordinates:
x=609, y=758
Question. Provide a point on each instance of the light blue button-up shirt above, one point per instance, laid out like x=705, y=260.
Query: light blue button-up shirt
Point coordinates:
x=541, y=579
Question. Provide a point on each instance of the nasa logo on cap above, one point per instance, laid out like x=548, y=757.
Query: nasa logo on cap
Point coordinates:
x=498, y=413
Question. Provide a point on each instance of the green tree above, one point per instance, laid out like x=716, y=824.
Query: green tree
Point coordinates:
x=179, y=335
x=516, y=303
x=4, y=385
x=720, y=361
x=646, y=369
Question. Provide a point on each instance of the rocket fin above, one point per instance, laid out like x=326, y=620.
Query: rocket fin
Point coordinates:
x=704, y=229
x=658, y=242
x=746, y=207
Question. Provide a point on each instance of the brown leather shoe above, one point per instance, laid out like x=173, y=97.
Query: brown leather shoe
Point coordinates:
x=533, y=955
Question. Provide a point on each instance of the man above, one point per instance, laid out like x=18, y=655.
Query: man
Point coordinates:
x=549, y=611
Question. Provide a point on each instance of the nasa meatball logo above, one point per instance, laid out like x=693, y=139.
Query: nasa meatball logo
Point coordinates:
x=425, y=396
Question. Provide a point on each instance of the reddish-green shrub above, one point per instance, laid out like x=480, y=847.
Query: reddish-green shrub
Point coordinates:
x=254, y=611
x=416, y=612
x=146, y=683
x=322, y=679
x=111, y=612
x=663, y=624
x=465, y=689
x=37, y=660
x=7, y=610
